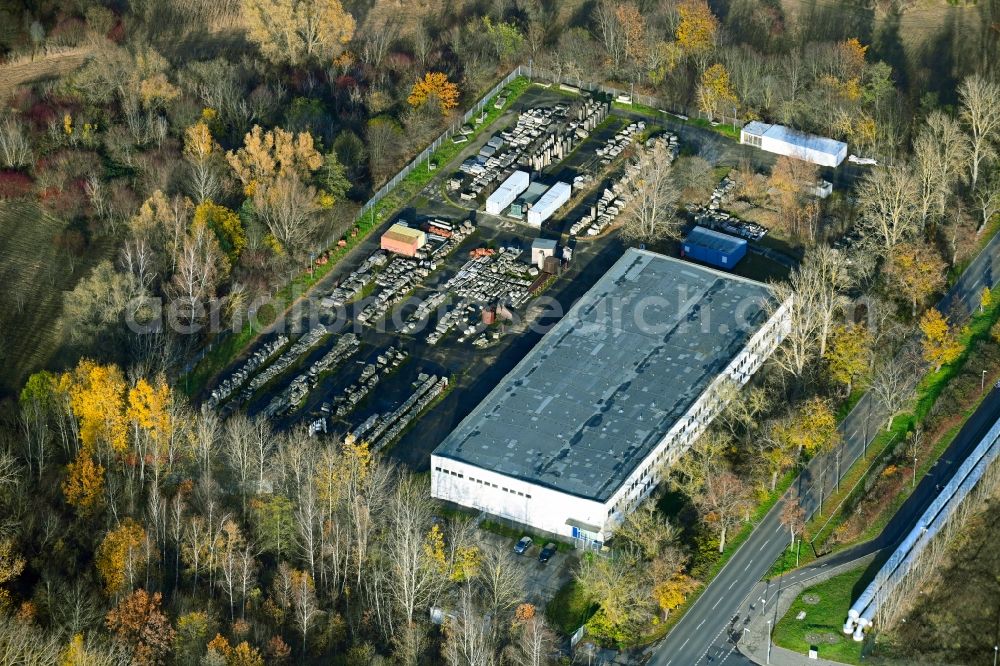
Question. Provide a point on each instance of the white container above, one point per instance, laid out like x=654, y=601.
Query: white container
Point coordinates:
x=554, y=199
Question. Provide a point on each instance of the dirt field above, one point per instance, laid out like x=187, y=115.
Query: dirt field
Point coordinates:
x=48, y=66
x=930, y=45
x=34, y=276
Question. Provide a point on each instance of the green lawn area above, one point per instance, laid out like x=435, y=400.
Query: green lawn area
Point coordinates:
x=569, y=609
x=825, y=606
x=727, y=130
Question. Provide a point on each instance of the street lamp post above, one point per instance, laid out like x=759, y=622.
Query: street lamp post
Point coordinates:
x=996, y=648
x=868, y=414
x=982, y=384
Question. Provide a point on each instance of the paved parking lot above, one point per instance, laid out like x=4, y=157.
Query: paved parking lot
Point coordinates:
x=542, y=581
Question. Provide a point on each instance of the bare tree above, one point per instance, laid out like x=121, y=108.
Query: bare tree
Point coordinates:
x=468, y=639
x=15, y=150
x=725, y=503
x=207, y=434
x=304, y=604
x=289, y=210
x=799, y=346
x=988, y=198
x=610, y=31
x=651, y=200
x=981, y=112
x=241, y=451
x=379, y=36
x=888, y=204
x=826, y=276
x=500, y=586
x=892, y=386
x=941, y=152
x=793, y=516
x=533, y=643
x=414, y=580
x=201, y=265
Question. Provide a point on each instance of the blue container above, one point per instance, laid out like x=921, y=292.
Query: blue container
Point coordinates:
x=713, y=248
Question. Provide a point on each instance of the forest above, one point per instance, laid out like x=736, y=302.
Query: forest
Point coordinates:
x=186, y=159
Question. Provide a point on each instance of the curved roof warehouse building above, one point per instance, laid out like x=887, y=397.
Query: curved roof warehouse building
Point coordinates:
x=576, y=434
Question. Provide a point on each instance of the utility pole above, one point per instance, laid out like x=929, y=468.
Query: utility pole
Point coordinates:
x=839, y=451
x=868, y=416
x=982, y=384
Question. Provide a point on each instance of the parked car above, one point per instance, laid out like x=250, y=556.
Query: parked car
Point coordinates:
x=523, y=545
x=547, y=553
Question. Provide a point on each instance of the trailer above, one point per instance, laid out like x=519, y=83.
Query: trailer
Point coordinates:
x=508, y=191
x=554, y=199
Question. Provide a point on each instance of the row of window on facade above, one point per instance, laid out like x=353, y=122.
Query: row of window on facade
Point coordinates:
x=484, y=483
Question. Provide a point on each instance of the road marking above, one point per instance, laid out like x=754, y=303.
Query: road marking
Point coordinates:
x=779, y=527
x=685, y=642
x=699, y=625
x=717, y=601
x=731, y=584
x=763, y=544
x=747, y=566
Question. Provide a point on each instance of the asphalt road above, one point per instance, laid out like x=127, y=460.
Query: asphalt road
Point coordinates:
x=702, y=635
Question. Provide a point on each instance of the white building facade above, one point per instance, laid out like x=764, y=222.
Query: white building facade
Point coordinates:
x=793, y=143
x=569, y=509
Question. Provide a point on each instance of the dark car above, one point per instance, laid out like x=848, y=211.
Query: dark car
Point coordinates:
x=523, y=545
x=547, y=553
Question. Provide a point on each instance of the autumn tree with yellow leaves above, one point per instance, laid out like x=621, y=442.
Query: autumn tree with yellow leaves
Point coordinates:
x=941, y=343
x=715, y=92
x=203, y=155
x=299, y=32
x=97, y=400
x=83, y=486
x=697, y=30
x=268, y=155
x=435, y=90
x=916, y=270
x=849, y=354
x=812, y=428
x=11, y=566
x=122, y=556
x=225, y=224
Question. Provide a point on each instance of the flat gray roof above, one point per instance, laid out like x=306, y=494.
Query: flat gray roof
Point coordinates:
x=599, y=391
x=543, y=244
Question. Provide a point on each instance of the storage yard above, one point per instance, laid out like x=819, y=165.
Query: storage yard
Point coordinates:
x=423, y=319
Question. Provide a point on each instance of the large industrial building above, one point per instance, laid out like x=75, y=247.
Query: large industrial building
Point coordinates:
x=576, y=435
x=793, y=143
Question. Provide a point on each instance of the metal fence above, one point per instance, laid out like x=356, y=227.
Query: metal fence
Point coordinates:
x=532, y=73
x=426, y=153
